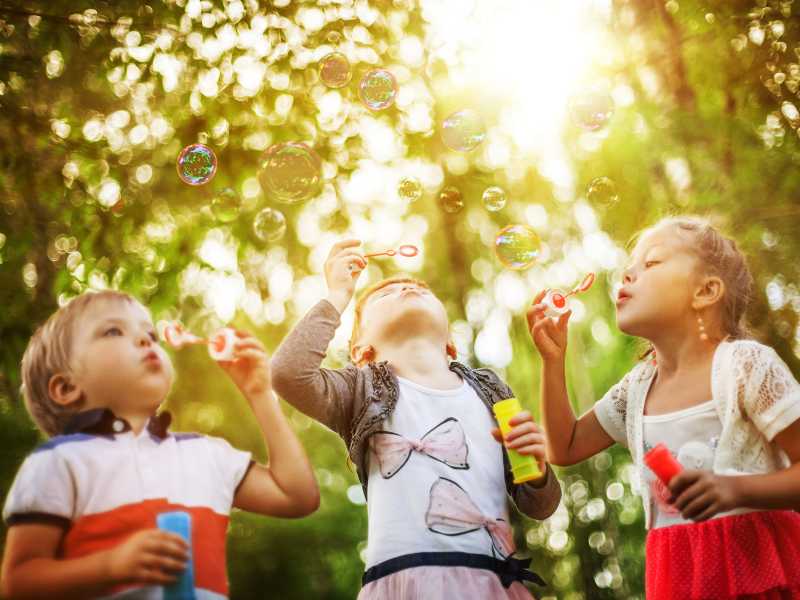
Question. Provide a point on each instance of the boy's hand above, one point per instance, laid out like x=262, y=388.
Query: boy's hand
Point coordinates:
x=525, y=437
x=342, y=268
x=549, y=336
x=700, y=495
x=249, y=369
x=151, y=556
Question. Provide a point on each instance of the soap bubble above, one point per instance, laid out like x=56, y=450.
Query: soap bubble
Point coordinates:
x=226, y=205
x=409, y=189
x=334, y=37
x=378, y=89
x=463, y=131
x=269, y=225
x=197, y=164
x=602, y=191
x=517, y=246
x=494, y=198
x=334, y=70
x=591, y=110
x=290, y=172
x=450, y=200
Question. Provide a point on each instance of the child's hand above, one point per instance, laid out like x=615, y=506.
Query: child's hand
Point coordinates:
x=152, y=556
x=342, y=268
x=700, y=495
x=549, y=336
x=525, y=437
x=249, y=369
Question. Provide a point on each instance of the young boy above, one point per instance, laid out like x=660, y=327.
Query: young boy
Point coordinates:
x=82, y=510
x=420, y=431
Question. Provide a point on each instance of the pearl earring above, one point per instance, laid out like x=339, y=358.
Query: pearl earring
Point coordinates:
x=702, y=327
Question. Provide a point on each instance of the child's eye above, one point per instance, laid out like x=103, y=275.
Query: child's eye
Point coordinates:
x=650, y=263
x=154, y=336
x=112, y=331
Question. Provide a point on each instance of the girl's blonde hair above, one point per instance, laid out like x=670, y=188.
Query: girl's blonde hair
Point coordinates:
x=721, y=257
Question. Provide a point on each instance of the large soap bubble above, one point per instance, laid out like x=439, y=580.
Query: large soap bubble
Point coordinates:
x=197, y=164
x=226, y=205
x=463, y=131
x=592, y=110
x=602, y=191
x=334, y=70
x=517, y=246
x=451, y=200
x=269, y=225
x=378, y=89
x=290, y=172
x=494, y=198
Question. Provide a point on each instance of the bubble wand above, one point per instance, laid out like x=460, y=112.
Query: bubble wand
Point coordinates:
x=406, y=250
x=220, y=345
x=556, y=300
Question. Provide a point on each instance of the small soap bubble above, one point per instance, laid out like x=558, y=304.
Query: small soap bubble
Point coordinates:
x=269, y=225
x=226, y=205
x=450, y=200
x=334, y=70
x=602, y=191
x=463, y=131
x=592, y=110
x=334, y=37
x=494, y=198
x=290, y=172
x=378, y=89
x=409, y=189
x=197, y=164
x=517, y=246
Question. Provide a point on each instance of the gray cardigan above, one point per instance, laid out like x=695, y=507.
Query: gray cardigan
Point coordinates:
x=354, y=401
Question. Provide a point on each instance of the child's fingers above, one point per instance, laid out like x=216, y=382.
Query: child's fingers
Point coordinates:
x=708, y=513
x=538, y=451
x=682, y=481
x=562, y=320
x=156, y=576
x=497, y=435
x=539, y=296
x=534, y=314
x=697, y=506
x=526, y=439
x=521, y=417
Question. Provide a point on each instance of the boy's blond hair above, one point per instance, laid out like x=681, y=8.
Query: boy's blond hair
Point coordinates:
x=49, y=352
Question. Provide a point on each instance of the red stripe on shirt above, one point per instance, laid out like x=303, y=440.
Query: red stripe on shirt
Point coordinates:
x=103, y=531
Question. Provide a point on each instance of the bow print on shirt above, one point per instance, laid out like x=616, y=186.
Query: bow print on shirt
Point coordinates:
x=452, y=512
x=445, y=443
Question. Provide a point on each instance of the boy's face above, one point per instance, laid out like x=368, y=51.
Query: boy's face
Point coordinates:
x=117, y=359
x=401, y=310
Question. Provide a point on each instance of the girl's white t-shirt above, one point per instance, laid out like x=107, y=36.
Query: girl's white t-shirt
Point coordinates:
x=692, y=435
x=436, y=477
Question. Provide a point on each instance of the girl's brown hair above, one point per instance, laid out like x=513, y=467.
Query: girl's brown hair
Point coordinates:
x=720, y=256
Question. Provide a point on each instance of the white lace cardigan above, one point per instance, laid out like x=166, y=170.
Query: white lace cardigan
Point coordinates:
x=754, y=393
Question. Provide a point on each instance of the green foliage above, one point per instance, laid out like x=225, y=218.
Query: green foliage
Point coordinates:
x=98, y=98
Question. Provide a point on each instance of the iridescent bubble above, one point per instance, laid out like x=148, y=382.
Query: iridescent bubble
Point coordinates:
x=290, y=172
x=334, y=70
x=197, y=164
x=226, y=205
x=591, y=110
x=450, y=200
x=494, y=198
x=378, y=89
x=334, y=37
x=409, y=189
x=269, y=225
x=602, y=191
x=463, y=131
x=517, y=246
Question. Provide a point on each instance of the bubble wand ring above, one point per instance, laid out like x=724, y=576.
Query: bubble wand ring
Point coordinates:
x=556, y=300
x=221, y=345
x=406, y=250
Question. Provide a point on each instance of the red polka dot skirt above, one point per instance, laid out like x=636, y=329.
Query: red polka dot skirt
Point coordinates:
x=753, y=556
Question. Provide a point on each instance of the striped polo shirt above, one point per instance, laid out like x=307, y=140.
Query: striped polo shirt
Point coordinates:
x=102, y=482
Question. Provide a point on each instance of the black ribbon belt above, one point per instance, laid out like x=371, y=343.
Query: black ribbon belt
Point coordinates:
x=508, y=570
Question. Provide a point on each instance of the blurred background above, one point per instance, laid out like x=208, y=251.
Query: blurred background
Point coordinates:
x=585, y=121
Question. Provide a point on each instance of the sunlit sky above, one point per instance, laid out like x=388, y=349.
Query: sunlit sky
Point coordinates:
x=517, y=63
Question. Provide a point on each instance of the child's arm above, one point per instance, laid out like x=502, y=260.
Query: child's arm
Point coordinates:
x=569, y=440
x=700, y=495
x=323, y=394
x=772, y=404
x=31, y=569
x=286, y=487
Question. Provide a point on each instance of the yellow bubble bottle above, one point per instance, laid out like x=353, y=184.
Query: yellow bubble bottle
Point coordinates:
x=524, y=468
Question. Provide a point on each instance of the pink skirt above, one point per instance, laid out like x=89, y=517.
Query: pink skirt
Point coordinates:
x=436, y=583
x=754, y=556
